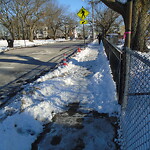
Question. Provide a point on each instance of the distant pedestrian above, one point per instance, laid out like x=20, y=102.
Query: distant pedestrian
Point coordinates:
x=99, y=38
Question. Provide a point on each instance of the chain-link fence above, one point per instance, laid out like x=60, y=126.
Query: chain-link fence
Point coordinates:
x=133, y=82
x=135, y=116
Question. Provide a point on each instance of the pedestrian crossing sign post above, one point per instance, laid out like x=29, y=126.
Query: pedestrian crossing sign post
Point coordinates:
x=83, y=13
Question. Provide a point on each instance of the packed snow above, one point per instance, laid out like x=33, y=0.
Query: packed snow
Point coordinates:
x=92, y=134
x=86, y=79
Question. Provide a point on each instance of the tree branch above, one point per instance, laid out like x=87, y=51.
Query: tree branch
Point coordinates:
x=115, y=5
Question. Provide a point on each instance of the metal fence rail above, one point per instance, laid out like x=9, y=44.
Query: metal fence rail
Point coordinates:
x=135, y=114
x=114, y=56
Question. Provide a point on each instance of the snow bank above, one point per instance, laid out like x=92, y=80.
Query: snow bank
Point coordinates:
x=26, y=43
x=87, y=79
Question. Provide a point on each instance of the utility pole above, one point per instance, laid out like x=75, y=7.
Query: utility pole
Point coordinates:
x=92, y=3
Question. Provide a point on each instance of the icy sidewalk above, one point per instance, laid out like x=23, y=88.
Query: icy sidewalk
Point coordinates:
x=85, y=82
x=76, y=129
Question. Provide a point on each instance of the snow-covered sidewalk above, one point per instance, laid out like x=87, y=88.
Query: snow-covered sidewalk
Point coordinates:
x=87, y=81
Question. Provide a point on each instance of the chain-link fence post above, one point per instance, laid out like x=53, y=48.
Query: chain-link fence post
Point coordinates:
x=125, y=56
x=126, y=77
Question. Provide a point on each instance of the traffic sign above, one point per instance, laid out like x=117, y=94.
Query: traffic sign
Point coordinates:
x=83, y=13
x=83, y=22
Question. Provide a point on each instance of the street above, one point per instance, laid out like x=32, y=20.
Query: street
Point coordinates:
x=21, y=66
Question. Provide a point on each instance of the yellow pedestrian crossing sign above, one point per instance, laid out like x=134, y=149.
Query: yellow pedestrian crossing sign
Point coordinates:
x=83, y=13
x=83, y=22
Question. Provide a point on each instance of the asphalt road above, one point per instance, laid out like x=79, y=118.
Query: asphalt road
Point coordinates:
x=21, y=66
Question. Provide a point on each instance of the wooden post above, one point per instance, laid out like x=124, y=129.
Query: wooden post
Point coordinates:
x=128, y=24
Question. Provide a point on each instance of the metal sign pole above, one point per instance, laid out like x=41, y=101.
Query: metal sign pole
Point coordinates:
x=93, y=20
x=84, y=36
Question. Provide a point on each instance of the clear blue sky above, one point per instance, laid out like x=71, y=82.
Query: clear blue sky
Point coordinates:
x=75, y=5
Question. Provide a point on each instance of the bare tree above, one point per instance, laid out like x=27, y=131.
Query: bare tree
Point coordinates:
x=68, y=25
x=6, y=17
x=106, y=20
x=32, y=13
x=21, y=17
x=53, y=18
x=58, y=21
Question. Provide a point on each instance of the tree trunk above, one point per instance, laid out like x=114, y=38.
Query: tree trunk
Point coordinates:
x=19, y=33
x=12, y=35
x=54, y=34
x=54, y=37
x=66, y=35
x=140, y=25
x=31, y=36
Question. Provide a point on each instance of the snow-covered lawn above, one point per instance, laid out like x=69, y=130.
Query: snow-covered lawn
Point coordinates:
x=146, y=55
x=25, y=43
x=86, y=80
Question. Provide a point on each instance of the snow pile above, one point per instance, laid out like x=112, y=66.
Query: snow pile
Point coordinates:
x=18, y=131
x=26, y=43
x=145, y=54
x=3, y=45
x=103, y=87
x=87, y=79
